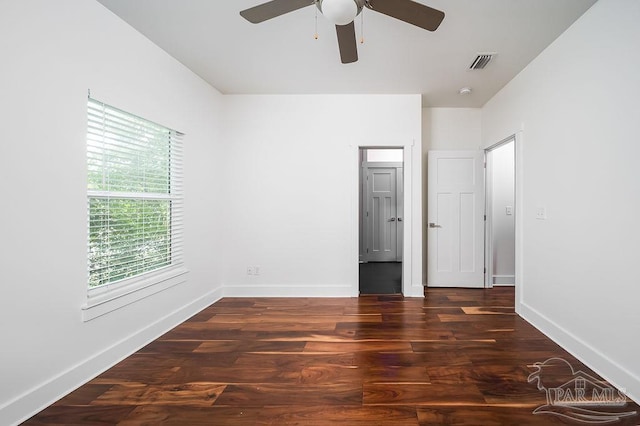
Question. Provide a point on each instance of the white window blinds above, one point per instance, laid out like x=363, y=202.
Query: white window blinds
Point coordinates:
x=134, y=196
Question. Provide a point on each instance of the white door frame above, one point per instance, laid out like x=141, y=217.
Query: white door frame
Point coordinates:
x=400, y=213
x=408, y=289
x=488, y=212
x=518, y=138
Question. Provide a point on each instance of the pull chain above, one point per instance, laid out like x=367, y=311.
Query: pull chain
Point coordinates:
x=362, y=27
x=315, y=36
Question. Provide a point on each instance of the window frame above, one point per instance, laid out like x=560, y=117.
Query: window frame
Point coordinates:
x=113, y=295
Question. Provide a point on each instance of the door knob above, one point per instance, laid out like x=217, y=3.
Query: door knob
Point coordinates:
x=393, y=219
x=399, y=219
x=433, y=225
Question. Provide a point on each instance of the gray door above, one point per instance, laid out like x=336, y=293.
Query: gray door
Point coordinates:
x=382, y=214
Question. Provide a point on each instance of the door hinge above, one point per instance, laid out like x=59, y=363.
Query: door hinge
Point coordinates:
x=485, y=217
x=485, y=270
x=367, y=214
x=367, y=249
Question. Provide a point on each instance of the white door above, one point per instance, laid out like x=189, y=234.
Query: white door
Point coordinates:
x=382, y=218
x=455, y=219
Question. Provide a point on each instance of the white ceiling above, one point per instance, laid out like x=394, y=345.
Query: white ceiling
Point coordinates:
x=281, y=56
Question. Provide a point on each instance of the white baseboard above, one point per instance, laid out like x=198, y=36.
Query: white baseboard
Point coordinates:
x=40, y=397
x=499, y=280
x=415, y=291
x=45, y=394
x=302, y=291
x=264, y=290
x=612, y=372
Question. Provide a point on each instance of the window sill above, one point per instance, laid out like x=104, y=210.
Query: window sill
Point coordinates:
x=104, y=300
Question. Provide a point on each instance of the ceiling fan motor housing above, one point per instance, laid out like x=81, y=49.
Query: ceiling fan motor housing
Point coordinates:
x=340, y=12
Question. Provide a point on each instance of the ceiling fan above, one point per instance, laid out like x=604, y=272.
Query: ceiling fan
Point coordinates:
x=343, y=12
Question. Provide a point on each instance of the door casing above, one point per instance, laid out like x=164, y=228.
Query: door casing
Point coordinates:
x=517, y=134
x=489, y=213
x=411, y=253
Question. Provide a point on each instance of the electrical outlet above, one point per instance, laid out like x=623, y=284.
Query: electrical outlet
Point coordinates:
x=256, y=270
x=541, y=213
x=251, y=270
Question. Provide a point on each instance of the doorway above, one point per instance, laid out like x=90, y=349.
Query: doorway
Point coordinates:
x=500, y=225
x=381, y=203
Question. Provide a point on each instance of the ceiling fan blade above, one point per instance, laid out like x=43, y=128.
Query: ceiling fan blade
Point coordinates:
x=347, y=43
x=273, y=9
x=409, y=11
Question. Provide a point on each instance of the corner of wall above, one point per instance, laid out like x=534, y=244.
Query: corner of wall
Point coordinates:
x=43, y=395
x=598, y=361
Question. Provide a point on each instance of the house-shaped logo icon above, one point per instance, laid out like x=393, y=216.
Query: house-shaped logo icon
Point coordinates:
x=577, y=395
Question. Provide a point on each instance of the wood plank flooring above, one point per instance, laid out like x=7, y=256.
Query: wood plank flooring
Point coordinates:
x=458, y=357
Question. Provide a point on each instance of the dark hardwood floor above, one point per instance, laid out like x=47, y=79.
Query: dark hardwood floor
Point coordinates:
x=458, y=357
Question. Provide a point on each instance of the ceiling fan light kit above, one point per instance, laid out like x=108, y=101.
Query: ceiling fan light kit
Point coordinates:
x=340, y=12
x=343, y=12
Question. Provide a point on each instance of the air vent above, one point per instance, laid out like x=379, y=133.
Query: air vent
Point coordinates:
x=481, y=61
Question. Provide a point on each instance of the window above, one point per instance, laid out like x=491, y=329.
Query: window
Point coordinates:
x=134, y=198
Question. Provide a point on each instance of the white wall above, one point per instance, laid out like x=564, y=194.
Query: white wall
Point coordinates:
x=291, y=181
x=451, y=129
x=52, y=53
x=577, y=106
